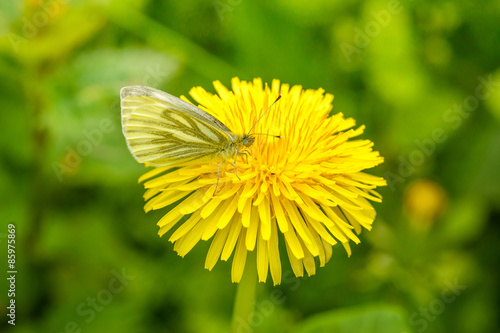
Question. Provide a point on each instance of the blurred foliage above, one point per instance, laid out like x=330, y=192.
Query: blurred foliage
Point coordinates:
x=424, y=77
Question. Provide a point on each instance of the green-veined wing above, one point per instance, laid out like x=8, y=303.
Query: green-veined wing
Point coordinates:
x=162, y=129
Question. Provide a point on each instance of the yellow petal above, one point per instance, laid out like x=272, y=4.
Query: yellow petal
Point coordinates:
x=274, y=255
x=231, y=239
x=297, y=221
x=280, y=214
x=247, y=214
x=265, y=218
x=252, y=230
x=297, y=266
x=239, y=259
x=216, y=248
x=262, y=259
x=293, y=244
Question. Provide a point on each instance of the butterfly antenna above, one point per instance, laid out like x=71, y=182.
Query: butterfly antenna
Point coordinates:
x=267, y=134
x=277, y=99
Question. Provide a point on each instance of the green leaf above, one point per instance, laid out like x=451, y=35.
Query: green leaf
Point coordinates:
x=365, y=319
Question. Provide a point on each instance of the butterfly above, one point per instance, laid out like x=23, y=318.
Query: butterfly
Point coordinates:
x=161, y=130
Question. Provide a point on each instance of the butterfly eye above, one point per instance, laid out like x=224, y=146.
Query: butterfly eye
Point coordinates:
x=248, y=140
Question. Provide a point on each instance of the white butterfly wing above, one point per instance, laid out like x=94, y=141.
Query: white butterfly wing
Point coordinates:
x=162, y=129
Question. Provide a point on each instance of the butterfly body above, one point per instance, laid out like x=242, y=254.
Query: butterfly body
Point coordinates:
x=162, y=129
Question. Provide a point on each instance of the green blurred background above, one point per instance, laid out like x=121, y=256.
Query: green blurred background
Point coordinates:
x=423, y=76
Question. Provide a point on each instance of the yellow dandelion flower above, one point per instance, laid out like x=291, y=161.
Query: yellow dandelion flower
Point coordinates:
x=303, y=180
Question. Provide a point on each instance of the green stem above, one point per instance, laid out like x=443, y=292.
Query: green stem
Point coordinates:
x=245, y=295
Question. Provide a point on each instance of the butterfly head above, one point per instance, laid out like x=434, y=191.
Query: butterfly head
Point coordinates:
x=247, y=140
x=244, y=141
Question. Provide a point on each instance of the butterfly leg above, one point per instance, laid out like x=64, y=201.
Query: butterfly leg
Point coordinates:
x=246, y=153
x=236, y=155
x=217, y=184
